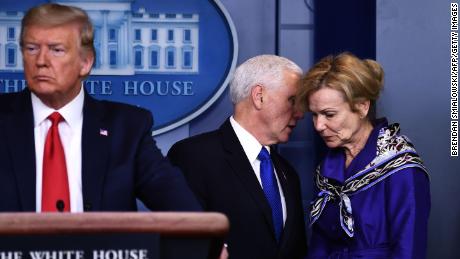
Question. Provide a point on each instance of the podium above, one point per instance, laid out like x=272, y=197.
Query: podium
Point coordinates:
x=112, y=235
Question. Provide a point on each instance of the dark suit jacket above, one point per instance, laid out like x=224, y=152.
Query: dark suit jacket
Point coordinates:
x=116, y=169
x=221, y=176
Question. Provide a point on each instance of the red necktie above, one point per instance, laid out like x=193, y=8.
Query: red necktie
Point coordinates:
x=55, y=186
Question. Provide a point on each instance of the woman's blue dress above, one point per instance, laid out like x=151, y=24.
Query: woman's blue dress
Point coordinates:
x=390, y=218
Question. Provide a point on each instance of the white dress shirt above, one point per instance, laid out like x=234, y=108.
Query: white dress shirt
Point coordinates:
x=70, y=131
x=252, y=149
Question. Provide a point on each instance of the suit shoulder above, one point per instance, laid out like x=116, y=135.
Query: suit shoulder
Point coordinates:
x=124, y=108
x=129, y=114
x=203, y=139
x=7, y=100
x=9, y=97
x=120, y=113
x=205, y=142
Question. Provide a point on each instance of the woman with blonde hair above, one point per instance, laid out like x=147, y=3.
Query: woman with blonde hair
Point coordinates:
x=372, y=190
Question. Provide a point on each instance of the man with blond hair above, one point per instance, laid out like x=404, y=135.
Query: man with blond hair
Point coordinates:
x=62, y=150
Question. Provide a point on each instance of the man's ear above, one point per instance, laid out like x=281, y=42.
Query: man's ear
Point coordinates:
x=86, y=64
x=257, y=95
x=362, y=108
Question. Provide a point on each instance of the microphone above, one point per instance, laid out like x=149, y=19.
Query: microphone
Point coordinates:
x=60, y=205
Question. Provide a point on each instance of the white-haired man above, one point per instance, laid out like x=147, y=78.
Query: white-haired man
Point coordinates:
x=233, y=170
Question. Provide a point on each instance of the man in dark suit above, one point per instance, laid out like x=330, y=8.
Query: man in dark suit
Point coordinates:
x=62, y=150
x=225, y=167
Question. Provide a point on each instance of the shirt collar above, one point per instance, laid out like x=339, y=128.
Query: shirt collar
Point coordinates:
x=71, y=112
x=249, y=143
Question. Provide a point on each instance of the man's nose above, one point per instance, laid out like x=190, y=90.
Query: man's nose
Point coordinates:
x=42, y=58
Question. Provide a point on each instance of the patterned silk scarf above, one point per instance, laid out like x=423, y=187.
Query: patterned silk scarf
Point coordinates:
x=394, y=153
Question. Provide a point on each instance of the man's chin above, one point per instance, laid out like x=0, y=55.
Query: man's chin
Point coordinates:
x=286, y=134
x=284, y=138
x=42, y=89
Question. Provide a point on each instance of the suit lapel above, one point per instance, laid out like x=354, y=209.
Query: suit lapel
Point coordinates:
x=280, y=169
x=282, y=174
x=238, y=161
x=20, y=139
x=95, y=153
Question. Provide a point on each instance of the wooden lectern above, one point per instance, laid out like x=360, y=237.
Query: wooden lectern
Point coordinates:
x=114, y=235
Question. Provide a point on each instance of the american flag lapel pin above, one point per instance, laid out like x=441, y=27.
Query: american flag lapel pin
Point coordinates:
x=103, y=132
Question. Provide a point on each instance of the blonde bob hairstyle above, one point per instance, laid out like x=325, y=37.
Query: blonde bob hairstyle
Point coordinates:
x=358, y=80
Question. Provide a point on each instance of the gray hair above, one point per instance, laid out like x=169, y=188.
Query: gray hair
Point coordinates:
x=266, y=70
